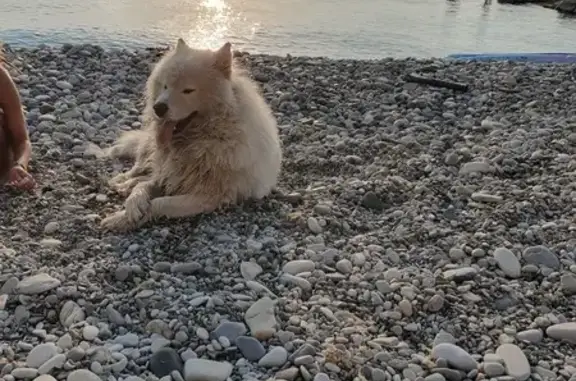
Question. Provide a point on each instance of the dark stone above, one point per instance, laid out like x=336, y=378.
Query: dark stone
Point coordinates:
x=372, y=201
x=250, y=348
x=294, y=198
x=563, y=6
x=366, y=372
x=163, y=362
x=566, y=6
x=46, y=108
x=516, y=1
x=450, y=374
x=505, y=302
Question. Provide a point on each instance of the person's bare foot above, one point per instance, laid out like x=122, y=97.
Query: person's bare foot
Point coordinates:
x=20, y=178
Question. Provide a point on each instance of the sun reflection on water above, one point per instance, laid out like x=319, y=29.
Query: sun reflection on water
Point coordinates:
x=216, y=4
x=216, y=22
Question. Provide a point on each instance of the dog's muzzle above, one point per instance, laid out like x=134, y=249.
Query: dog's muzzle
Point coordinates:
x=168, y=128
x=186, y=121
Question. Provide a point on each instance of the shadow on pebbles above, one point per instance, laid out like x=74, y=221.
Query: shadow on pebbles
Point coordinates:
x=418, y=233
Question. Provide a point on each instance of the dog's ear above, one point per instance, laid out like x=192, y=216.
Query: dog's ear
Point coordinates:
x=223, y=60
x=180, y=45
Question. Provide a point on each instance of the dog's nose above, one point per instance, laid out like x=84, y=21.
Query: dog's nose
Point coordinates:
x=160, y=109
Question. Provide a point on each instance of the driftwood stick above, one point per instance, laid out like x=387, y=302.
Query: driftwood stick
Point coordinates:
x=436, y=82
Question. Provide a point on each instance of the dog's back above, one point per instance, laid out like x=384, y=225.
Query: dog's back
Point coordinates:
x=261, y=133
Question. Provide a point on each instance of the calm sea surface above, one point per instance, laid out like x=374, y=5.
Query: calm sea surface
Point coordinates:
x=334, y=28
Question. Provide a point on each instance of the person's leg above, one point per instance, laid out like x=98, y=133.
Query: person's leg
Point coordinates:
x=5, y=151
x=15, y=132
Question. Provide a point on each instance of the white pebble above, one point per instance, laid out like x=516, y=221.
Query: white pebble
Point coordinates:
x=314, y=225
x=90, y=332
x=207, y=370
x=82, y=375
x=515, y=361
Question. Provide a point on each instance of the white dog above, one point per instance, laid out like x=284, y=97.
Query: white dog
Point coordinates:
x=209, y=140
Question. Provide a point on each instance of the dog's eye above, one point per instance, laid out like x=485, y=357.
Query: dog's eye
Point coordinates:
x=188, y=91
x=165, y=87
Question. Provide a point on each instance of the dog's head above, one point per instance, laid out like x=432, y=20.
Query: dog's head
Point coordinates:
x=189, y=82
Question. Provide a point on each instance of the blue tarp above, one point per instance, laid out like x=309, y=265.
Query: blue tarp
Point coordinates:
x=522, y=57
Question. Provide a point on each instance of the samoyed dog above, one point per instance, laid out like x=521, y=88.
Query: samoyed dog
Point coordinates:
x=209, y=139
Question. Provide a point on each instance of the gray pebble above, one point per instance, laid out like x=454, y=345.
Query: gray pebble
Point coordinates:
x=435, y=377
x=298, y=266
x=250, y=270
x=230, y=330
x=568, y=283
x=321, y=377
x=541, y=255
x=563, y=331
x=250, y=348
x=494, y=369
x=24, y=373
x=314, y=225
x=531, y=336
x=276, y=357
x=37, y=284
x=456, y=356
x=508, y=262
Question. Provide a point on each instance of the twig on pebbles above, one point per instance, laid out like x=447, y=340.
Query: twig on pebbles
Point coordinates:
x=436, y=82
x=506, y=90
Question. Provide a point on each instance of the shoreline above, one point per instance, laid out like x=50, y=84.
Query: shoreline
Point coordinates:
x=156, y=50
x=160, y=48
x=419, y=233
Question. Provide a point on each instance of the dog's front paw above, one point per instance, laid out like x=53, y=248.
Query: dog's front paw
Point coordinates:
x=116, y=180
x=138, y=207
x=117, y=222
x=125, y=188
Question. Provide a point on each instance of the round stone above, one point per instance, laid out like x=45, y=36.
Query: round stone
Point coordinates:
x=90, y=332
x=456, y=356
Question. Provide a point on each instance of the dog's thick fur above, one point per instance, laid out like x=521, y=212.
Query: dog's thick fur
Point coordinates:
x=216, y=144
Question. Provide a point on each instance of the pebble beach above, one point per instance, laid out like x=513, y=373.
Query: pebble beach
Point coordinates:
x=418, y=233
